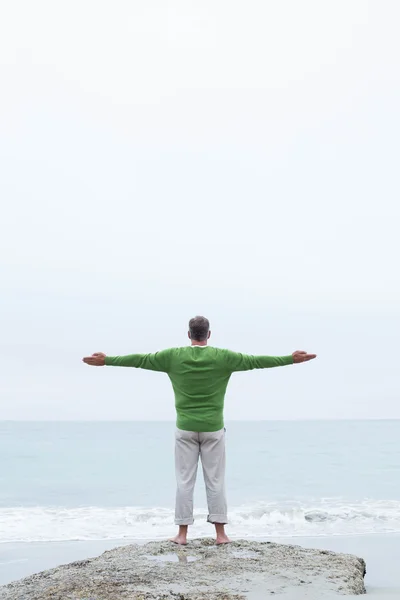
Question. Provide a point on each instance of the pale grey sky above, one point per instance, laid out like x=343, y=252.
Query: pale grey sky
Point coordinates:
x=233, y=159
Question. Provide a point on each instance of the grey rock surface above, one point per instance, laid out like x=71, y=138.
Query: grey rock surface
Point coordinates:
x=199, y=571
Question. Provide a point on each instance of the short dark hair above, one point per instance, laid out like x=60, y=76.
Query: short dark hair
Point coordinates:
x=199, y=328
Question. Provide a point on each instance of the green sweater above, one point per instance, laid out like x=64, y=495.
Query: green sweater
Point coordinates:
x=199, y=376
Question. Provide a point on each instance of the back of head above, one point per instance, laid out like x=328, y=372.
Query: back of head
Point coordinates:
x=199, y=328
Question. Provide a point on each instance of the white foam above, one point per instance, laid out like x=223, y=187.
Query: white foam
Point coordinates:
x=285, y=519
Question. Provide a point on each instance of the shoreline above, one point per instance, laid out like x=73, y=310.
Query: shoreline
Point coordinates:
x=20, y=559
x=245, y=569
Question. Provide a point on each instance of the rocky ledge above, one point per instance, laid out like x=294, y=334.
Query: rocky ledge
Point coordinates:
x=199, y=571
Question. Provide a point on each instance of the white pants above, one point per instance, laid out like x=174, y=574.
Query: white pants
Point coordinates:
x=189, y=446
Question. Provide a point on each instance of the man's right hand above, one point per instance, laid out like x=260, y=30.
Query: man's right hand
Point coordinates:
x=301, y=356
x=98, y=359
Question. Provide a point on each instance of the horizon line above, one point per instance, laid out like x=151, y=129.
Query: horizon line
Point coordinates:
x=331, y=419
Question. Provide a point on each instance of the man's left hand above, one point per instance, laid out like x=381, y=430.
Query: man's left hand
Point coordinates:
x=98, y=359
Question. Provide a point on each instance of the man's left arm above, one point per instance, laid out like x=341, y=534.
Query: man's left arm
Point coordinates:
x=159, y=361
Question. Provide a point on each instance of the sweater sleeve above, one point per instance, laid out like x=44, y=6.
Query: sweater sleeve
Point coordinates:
x=246, y=362
x=159, y=361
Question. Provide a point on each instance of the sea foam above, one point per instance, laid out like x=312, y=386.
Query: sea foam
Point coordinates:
x=262, y=520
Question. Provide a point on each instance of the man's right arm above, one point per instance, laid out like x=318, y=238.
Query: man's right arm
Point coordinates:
x=246, y=362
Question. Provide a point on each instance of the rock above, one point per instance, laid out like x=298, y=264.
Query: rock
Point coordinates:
x=199, y=571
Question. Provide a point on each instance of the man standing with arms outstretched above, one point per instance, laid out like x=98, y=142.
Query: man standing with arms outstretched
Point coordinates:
x=199, y=375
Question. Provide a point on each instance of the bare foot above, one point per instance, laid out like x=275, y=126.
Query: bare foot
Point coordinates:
x=179, y=539
x=222, y=539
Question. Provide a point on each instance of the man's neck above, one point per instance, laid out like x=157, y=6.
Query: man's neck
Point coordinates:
x=195, y=343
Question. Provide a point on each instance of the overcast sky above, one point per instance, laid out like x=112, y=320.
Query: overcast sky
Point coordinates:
x=172, y=158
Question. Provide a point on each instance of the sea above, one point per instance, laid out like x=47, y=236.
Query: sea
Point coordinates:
x=64, y=482
x=103, y=480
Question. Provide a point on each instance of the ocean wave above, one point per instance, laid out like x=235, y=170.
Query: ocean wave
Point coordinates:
x=261, y=520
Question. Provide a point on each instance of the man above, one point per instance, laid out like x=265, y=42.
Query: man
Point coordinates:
x=199, y=375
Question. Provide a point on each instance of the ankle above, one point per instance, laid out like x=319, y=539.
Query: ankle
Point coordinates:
x=220, y=529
